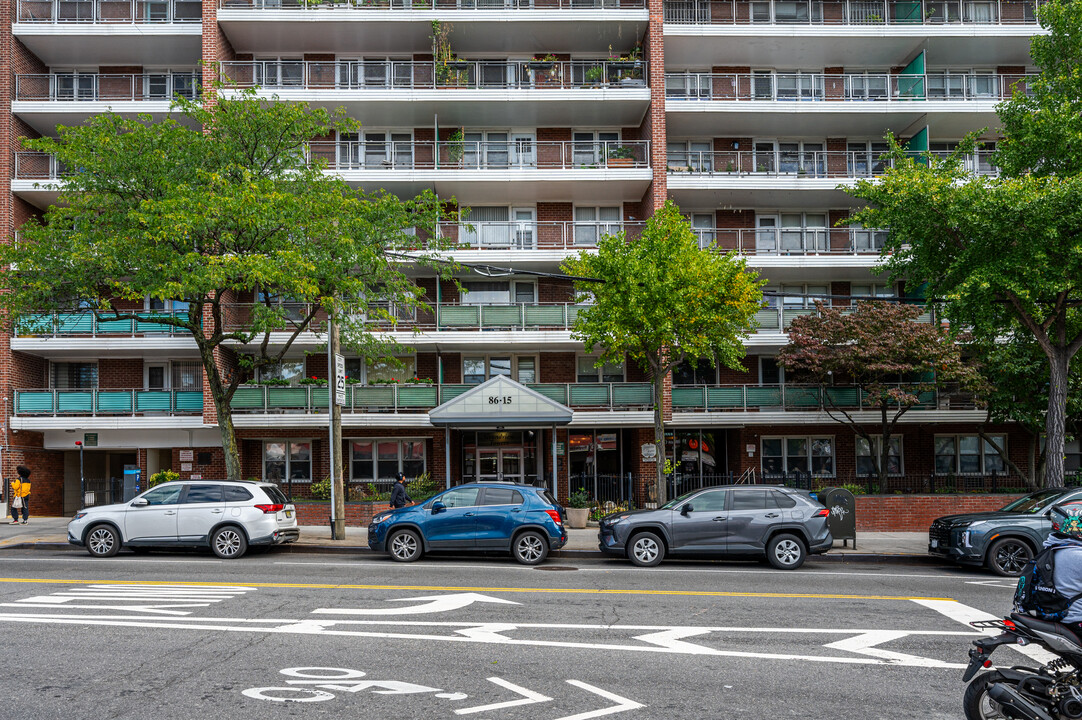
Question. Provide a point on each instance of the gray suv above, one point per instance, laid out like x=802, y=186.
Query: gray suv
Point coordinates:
x=226, y=516
x=777, y=523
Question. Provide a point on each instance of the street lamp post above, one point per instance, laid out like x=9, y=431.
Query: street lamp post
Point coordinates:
x=82, y=481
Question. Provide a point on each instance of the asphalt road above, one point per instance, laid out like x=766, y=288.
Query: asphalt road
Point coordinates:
x=276, y=635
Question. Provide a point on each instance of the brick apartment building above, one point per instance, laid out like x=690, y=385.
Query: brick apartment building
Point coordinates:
x=578, y=117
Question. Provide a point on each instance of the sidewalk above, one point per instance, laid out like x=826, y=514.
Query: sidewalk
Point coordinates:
x=51, y=533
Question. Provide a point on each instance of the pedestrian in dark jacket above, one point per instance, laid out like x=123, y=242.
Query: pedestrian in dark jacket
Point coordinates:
x=399, y=498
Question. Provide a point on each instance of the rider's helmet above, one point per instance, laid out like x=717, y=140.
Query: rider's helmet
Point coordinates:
x=1067, y=520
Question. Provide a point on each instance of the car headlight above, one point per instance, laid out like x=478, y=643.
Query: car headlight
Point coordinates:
x=79, y=516
x=380, y=518
x=965, y=538
x=619, y=519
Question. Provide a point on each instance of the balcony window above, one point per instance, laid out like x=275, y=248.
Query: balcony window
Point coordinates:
x=785, y=455
x=867, y=461
x=73, y=375
x=591, y=148
x=75, y=85
x=372, y=460
x=291, y=370
x=865, y=159
x=968, y=455
x=804, y=296
x=187, y=375
x=689, y=85
x=499, y=292
x=797, y=232
x=287, y=460
x=703, y=226
x=867, y=239
x=593, y=222
x=279, y=72
x=691, y=156
x=940, y=11
x=588, y=372
x=703, y=373
x=478, y=369
x=866, y=86
x=875, y=290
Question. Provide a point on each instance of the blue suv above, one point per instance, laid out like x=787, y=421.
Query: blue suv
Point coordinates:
x=484, y=517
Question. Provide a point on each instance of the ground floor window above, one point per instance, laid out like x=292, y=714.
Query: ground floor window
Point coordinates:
x=868, y=455
x=287, y=460
x=791, y=455
x=500, y=456
x=968, y=455
x=381, y=460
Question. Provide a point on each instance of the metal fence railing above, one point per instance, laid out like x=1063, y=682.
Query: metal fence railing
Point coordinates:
x=518, y=152
x=102, y=87
x=390, y=5
x=65, y=12
x=851, y=12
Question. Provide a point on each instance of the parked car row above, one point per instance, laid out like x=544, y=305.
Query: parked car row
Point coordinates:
x=780, y=525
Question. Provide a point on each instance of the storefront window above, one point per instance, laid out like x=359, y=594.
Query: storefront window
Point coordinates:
x=390, y=457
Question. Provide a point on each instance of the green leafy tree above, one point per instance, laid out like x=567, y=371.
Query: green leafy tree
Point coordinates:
x=880, y=348
x=207, y=212
x=1004, y=254
x=661, y=300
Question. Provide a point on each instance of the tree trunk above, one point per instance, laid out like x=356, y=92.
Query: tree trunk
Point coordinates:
x=224, y=412
x=1056, y=418
x=661, y=490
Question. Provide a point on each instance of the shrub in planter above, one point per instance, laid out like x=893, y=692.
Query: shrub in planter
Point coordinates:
x=578, y=508
x=162, y=476
x=321, y=490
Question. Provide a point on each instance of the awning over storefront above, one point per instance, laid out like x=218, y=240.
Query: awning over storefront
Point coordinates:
x=500, y=402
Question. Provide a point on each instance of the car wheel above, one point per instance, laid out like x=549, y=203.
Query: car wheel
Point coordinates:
x=405, y=546
x=785, y=552
x=646, y=550
x=228, y=542
x=1008, y=556
x=103, y=541
x=530, y=548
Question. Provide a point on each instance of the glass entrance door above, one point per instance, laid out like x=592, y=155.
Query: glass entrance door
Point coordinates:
x=499, y=465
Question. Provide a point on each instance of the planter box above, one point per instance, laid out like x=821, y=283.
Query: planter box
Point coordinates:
x=620, y=162
x=577, y=517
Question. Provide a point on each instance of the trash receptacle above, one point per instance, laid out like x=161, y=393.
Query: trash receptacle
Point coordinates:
x=842, y=520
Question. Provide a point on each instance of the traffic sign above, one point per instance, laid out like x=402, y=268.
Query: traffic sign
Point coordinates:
x=339, y=380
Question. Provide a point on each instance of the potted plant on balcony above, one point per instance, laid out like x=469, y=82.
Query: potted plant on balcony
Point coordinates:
x=546, y=63
x=578, y=508
x=620, y=156
x=455, y=148
x=593, y=76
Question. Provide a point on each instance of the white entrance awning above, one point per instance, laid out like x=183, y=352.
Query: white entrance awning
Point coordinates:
x=500, y=402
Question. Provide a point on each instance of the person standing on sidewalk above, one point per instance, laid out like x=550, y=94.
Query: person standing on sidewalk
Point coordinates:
x=399, y=498
x=20, y=495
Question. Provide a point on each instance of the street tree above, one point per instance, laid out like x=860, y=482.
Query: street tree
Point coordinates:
x=880, y=348
x=221, y=208
x=1003, y=254
x=661, y=300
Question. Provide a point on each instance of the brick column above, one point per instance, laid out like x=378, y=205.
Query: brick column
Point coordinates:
x=655, y=56
x=211, y=47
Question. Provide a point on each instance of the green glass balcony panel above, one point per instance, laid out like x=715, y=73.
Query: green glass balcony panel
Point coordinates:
x=417, y=397
x=190, y=400
x=153, y=401
x=31, y=403
x=767, y=319
x=248, y=398
x=792, y=314
x=320, y=395
x=450, y=392
x=75, y=401
x=35, y=324
x=146, y=327
x=286, y=397
x=75, y=323
x=114, y=327
x=460, y=316
x=552, y=391
x=117, y=401
x=632, y=394
x=587, y=395
x=501, y=316
x=545, y=315
x=927, y=399
x=801, y=397
x=373, y=396
x=689, y=398
x=766, y=396
x=725, y=397
x=843, y=396
x=573, y=312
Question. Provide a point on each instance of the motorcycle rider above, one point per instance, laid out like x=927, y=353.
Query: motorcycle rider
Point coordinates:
x=1066, y=536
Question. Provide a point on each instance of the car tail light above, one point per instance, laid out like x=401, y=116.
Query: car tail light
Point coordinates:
x=555, y=515
x=270, y=509
x=822, y=513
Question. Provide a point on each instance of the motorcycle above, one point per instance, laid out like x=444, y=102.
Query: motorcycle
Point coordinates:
x=1050, y=692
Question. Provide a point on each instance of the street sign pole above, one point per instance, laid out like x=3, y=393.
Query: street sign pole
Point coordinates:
x=82, y=478
x=335, y=363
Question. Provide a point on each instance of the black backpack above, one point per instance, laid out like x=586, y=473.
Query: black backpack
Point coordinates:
x=1036, y=594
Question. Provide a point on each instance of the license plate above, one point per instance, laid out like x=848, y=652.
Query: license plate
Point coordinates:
x=289, y=513
x=935, y=544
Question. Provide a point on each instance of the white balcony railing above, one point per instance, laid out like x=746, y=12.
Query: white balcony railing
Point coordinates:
x=880, y=87
x=518, y=152
x=793, y=240
x=98, y=87
x=410, y=75
x=802, y=163
x=108, y=12
x=530, y=235
x=852, y=12
x=480, y=5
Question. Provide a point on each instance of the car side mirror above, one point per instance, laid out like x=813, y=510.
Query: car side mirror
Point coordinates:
x=686, y=509
x=140, y=502
x=438, y=507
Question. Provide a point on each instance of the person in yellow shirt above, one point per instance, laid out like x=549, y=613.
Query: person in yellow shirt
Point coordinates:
x=20, y=489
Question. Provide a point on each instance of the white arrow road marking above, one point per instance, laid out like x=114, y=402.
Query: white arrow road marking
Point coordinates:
x=529, y=697
x=992, y=583
x=622, y=704
x=437, y=603
x=966, y=614
x=865, y=644
x=389, y=687
x=154, y=609
x=671, y=639
x=489, y=632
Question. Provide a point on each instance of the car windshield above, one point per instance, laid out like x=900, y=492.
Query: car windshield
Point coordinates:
x=1034, y=503
x=676, y=501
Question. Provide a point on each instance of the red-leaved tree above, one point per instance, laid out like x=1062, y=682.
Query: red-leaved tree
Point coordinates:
x=881, y=349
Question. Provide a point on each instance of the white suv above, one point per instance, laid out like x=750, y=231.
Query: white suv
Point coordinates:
x=227, y=516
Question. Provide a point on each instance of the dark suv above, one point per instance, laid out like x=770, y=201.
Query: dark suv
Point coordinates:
x=1003, y=539
x=783, y=525
x=522, y=519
